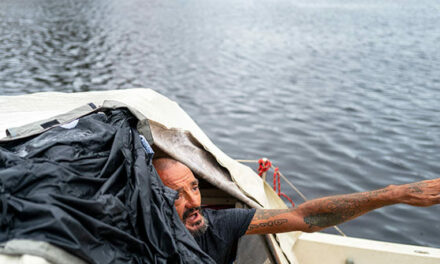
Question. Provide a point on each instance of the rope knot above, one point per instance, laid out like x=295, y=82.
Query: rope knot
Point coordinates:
x=263, y=166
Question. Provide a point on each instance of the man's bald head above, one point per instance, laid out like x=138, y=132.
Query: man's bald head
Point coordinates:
x=179, y=177
x=171, y=171
x=164, y=163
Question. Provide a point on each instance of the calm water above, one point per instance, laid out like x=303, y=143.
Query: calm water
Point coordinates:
x=343, y=96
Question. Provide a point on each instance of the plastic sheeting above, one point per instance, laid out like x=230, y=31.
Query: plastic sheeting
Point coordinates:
x=90, y=189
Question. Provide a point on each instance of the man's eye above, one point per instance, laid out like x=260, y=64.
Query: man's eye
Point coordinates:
x=195, y=188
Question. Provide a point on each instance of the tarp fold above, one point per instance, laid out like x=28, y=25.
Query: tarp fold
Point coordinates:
x=90, y=189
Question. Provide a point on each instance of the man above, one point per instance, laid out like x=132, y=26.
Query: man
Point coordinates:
x=217, y=232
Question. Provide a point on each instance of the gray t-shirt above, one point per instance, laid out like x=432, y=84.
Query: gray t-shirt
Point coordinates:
x=225, y=228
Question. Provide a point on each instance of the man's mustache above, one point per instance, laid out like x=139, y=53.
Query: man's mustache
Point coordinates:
x=189, y=211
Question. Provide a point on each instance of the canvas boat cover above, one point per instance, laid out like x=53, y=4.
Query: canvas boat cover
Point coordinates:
x=174, y=132
x=89, y=187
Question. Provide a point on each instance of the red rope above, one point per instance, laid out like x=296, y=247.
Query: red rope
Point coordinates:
x=288, y=198
x=276, y=177
x=263, y=166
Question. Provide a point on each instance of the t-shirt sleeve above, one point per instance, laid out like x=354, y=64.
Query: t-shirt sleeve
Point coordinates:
x=236, y=221
x=227, y=226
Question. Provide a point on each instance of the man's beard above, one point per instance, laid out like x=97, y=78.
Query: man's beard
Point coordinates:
x=202, y=229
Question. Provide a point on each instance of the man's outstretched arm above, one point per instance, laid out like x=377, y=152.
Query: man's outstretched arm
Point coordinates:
x=324, y=212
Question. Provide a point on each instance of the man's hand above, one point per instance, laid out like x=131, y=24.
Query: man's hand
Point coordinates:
x=324, y=212
x=424, y=193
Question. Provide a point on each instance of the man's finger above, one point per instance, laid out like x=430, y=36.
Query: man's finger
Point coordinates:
x=436, y=199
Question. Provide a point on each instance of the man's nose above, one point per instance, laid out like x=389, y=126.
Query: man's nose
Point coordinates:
x=191, y=201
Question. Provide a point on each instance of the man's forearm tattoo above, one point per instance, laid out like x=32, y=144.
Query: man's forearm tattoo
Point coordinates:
x=270, y=223
x=323, y=220
x=417, y=187
x=265, y=217
x=338, y=209
x=267, y=214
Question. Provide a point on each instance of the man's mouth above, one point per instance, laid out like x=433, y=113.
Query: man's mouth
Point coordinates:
x=193, y=219
x=191, y=213
x=193, y=216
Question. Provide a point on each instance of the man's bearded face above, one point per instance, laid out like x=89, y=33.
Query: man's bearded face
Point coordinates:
x=180, y=178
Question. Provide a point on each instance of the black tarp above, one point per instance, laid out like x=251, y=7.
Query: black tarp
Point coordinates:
x=91, y=190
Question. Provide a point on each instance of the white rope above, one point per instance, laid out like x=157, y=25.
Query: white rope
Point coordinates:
x=294, y=188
